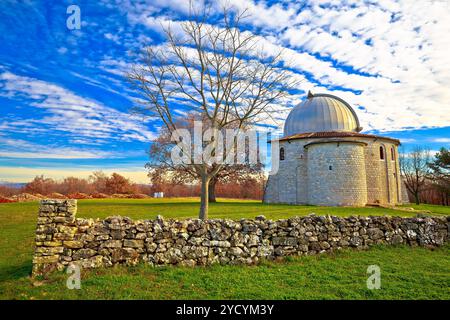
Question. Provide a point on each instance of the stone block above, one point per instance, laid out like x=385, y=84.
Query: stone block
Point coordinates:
x=133, y=243
x=112, y=244
x=284, y=241
x=73, y=244
x=45, y=259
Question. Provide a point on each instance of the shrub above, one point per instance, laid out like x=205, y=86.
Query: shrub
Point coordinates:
x=79, y=195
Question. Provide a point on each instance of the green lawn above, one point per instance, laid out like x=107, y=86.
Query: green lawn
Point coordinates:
x=431, y=207
x=415, y=273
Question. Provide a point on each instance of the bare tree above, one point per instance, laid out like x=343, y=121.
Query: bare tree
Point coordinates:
x=415, y=170
x=218, y=72
x=440, y=174
x=163, y=170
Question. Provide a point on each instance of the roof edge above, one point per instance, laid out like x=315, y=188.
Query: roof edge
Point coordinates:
x=334, y=141
x=335, y=134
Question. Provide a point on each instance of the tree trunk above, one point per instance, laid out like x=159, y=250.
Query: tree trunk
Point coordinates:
x=416, y=197
x=212, y=191
x=203, y=214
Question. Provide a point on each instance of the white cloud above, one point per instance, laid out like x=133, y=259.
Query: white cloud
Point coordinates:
x=67, y=112
x=408, y=140
x=442, y=140
x=394, y=53
x=407, y=58
x=62, y=50
x=113, y=37
x=17, y=148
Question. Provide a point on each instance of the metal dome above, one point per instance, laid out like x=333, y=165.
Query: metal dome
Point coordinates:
x=321, y=113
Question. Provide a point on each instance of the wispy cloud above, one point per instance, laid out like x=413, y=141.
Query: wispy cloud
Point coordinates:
x=387, y=57
x=67, y=112
x=441, y=140
x=17, y=148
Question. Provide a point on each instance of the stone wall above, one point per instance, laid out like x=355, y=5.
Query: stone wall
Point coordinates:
x=382, y=184
x=290, y=183
x=62, y=239
x=337, y=174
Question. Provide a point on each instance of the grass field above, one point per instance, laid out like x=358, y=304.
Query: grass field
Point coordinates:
x=407, y=273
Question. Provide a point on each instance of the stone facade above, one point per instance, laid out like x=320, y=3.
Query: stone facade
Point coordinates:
x=338, y=166
x=63, y=239
x=337, y=171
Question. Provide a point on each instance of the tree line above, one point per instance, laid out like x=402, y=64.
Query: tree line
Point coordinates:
x=100, y=185
x=97, y=182
x=426, y=178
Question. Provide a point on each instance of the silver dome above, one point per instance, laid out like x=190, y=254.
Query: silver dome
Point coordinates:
x=321, y=113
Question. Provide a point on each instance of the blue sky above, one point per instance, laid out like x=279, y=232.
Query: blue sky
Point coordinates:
x=65, y=104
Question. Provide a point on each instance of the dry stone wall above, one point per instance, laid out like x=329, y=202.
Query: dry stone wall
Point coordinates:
x=63, y=239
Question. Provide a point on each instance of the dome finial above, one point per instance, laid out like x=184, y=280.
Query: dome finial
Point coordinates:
x=310, y=94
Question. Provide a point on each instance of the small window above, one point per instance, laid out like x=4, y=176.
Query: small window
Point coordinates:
x=392, y=154
x=281, y=153
x=330, y=167
x=381, y=153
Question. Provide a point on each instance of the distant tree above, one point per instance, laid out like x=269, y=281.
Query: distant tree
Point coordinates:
x=415, y=170
x=440, y=173
x=119, y=184
x=8, y=190
x=73, y=184
x=98, y=180
x=41, y=185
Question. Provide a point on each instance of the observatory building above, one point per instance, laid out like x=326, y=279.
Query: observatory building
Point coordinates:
x=324, y=159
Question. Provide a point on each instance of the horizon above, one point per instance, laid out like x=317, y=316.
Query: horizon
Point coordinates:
x=66, y=104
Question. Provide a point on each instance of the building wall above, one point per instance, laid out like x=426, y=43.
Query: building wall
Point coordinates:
x=383, y=184
x=289, y=184
x=293, y=184
x=403, y=192
x=271, y=190
x=337, y=174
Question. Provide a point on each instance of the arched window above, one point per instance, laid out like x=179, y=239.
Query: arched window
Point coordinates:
x=281, y=153
x=392, y=154
x=381, y=153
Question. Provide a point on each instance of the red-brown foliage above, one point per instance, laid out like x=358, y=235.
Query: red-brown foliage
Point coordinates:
x=100, y=185
x=431, y=194
x=99, y=195
x=119, y=184
x=8, y=191
x=41, y=185
x=6, y=200
x=250, y=189
x=78, y=195
x=56, y=195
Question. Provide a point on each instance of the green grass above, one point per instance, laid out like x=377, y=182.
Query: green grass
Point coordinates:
x=435, y=209
x=407, y=273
